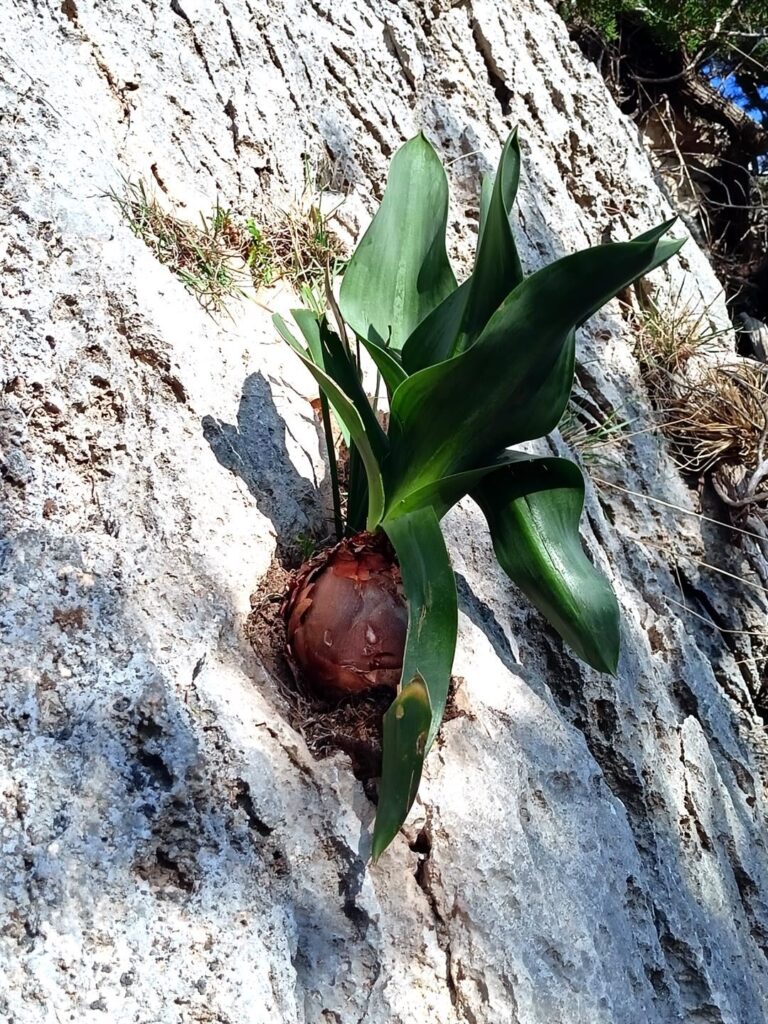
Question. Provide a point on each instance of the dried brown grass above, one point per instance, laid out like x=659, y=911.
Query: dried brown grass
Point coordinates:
x=716, y=415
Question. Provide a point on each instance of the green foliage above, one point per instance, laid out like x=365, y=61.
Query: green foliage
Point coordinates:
x=406, y=725
x=382, y=299
x=470, y=371
x=690, y=23
x=259, y=259
x=429, y=584
x=533, y=507
x=720, y=39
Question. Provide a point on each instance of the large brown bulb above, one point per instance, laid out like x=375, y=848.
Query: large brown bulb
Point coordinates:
x=347, y=618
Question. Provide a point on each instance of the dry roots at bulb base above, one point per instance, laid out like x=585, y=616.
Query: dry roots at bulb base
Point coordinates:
x=347, y=618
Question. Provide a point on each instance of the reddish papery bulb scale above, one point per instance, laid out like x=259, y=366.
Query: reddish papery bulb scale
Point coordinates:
x=347, y=618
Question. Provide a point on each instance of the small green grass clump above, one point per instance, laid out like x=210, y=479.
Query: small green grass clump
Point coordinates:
x=591, y=433
x=212, y=258
x=221, y=256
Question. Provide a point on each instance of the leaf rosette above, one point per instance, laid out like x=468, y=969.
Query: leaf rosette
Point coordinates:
x=470, y=370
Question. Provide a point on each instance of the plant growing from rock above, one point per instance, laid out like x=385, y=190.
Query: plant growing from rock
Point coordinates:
x=469, y=370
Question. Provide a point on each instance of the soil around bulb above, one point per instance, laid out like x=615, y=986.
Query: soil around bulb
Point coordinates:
x=352, y=725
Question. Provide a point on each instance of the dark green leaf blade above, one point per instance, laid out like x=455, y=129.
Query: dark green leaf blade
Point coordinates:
x=357, y=492
x=391, y=370
x=350, y=417
x=438, y=426
x=309, y=325
x=430, y=589
x=486, y=191
x=406, y=726
x=400, y=270
x=329, y=354
x=548, y=407
x=497, y=269
x=433, y=340
x=455, y=324
x=533, y=507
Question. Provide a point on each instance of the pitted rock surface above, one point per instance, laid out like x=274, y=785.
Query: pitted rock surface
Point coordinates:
x=585, y=849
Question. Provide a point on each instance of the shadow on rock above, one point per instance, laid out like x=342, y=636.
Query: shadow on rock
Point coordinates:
x=254, y=449
x=483, y=616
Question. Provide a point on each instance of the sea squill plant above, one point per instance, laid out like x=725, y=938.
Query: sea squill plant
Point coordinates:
x=470, y=370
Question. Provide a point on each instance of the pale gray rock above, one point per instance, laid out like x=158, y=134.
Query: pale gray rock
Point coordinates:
x=585, y=850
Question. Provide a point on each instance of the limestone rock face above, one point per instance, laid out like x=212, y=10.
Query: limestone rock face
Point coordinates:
x=585, y=850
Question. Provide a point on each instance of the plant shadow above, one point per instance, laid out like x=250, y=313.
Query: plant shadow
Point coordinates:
x=484, y=618
x=254, y=449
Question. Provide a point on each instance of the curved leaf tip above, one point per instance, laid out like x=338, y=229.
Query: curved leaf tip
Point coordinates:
x=533, y=506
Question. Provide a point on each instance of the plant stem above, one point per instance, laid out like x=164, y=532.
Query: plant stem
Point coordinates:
x=335, y=494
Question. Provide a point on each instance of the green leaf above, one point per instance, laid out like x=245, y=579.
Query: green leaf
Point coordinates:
x=357, y=492
x=430, y=590
x=350, y=417
x=309, y=325
x=391, y=370
x=456, y=323
x=533, y=507
x=330, y=354
x=486, y=191
x=406, y=725
x=400, y=270
x=549, y=403
x=462, y=412
x=433, y=340
x=497, y=269
x=664, y=249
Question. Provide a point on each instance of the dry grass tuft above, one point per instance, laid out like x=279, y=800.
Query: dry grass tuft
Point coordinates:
x=223, y=254
x=303, y=248
x=716, y=415
x=214, y=258
x=667, y=339
x=722, y=416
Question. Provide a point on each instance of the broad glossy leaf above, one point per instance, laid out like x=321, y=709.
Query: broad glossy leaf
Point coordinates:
x=441, y=495
x=400, y=270
x=430, y=589
x=406, y=725
x=433, y=340
x=533, y=507
x=455, y=324
x=549, y=404
x=665, y=248
x=348, y=414
x=462, y=412
x=497, y=269
x=486, y=191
